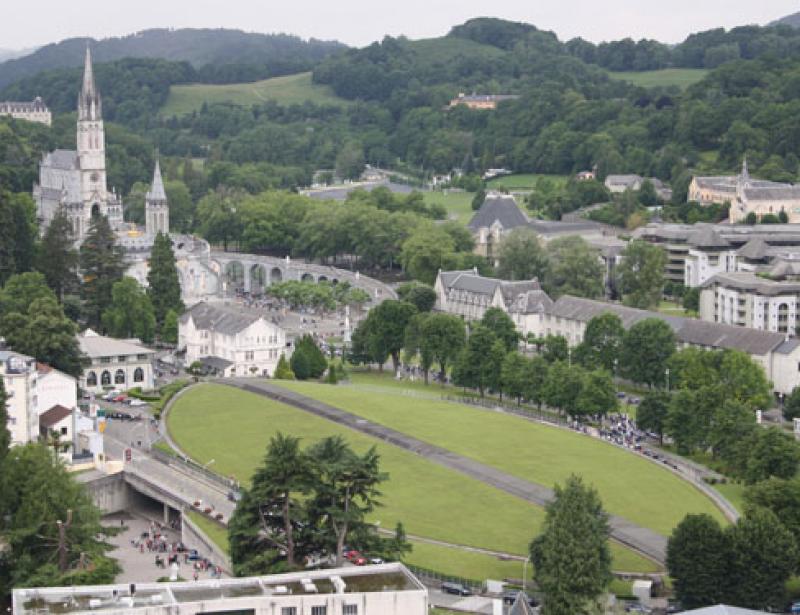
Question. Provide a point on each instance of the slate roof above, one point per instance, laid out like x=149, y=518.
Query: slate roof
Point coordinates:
x=521, y=606
x=687, y=330
x=783, y=268
x=95, y=346
x=708, y=237
x=754, y=250
x=531, y=302
x=550, y=227
x=781, y=192
x=623, y=180
x=54, y=416
x=747, y=281
x=500, y=208
x=223, y=319
x=156, y=192
x=64, y=159
x=37, y=105
x=216, y=363
x=471, y=282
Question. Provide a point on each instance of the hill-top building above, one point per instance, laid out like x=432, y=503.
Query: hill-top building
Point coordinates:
x=35, y=111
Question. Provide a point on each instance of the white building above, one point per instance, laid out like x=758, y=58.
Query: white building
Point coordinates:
x=230, y=341
x=115, y=364
x=20, y=380
x=35, y=111
x=469, y=295
x=617, y=184
x=55, y=388
x=385, y=589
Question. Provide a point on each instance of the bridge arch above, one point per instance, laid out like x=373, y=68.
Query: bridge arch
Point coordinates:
x=258, y=279
x=307, y=277
x=234, y=275
x=276, y=275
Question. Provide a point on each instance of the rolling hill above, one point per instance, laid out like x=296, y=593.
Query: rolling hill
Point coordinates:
x=790, y=20
x=284, y=90
x=268, y=54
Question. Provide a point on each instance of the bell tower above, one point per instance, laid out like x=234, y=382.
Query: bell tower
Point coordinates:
x=156, y=207
x=91, y=142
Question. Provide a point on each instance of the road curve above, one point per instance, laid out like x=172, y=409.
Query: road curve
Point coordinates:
x=640, y=539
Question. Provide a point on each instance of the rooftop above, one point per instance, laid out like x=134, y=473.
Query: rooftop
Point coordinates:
x=225, y=319
x=94, y=346
x=54, y=415
x=500, y=208
x=165, y=597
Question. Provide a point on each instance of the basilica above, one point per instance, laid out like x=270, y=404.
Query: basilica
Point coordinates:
x=75, y=181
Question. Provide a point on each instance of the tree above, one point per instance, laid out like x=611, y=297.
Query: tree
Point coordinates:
x=513, y=375
x=791, y=405
x=763, y=556
x=536, y=370
x=169, y=330
x=500, y=323
x=350, y=161
x=300, y=364
x=307, y=360
x=697, y=560
x=571, y=557
x=641, y=274
x=421, y=296
x=602, y=342
x=426, y=252
x=102, y=265
x=282, y=370
x=732, y=434
x=387, y=327
x=220, y=216
x=690, y=414
x=163, y=286
x=744, y=379
x=130, y=313
x=691, y=300
x=51, y=529
x=21, y=290
x=474, y=367
x=442, y=338
x=42, y=330
x=780, y=496
x=521, y=256
x=574, y=269
x=598, y=396
x=17, y=235
x=563, y=387
x=774, y=454
x=58, y=258
x=346, y=489
x=646, y=349
x=555, y=348
x=652, y=413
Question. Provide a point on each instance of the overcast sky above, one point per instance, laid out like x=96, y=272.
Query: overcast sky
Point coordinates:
x=358, y=22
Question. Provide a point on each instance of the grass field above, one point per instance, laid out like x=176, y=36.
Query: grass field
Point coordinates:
x=458, y=204
x=214, y=531
x=465, y=564
x=523, y=181
x=286, y=90
x=681, y=77
x=671, y=308
x=430, y=500
x=629, y=485
x=734, y=493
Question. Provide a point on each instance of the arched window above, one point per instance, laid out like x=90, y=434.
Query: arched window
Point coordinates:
x=119, y=377
x=91, y=379
x=138, y=375
x=105, y=378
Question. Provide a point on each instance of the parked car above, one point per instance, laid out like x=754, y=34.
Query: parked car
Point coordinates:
x=359, y=561
x=455, y=588
x=352, y=554
x=637, y=608
x=376, y=560
x=135, y=403
x=510, y=597
x=193, y=555
x=119, y=398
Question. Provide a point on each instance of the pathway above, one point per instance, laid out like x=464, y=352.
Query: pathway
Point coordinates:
x=640, y=539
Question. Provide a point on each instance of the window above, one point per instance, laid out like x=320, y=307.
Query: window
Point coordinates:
x=350, y=609
x=141, y=357
x=63, y=431
x=289, y=610
x=138, y=375
x=122, y=358
x=91, y=379
x=105, y=359
x=119, y=377
x=319, y=610
x=105, y=378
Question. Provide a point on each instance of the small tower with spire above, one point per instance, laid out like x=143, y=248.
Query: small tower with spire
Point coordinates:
x=156, y=206
x=92, y=142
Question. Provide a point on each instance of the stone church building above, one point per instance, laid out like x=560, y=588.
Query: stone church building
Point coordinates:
x=76, y=180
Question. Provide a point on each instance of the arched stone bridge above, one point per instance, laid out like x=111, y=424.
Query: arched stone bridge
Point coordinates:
x=253, y=273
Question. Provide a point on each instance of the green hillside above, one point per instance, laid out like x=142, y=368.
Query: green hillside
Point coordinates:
x=681, y=77
x=286, y=90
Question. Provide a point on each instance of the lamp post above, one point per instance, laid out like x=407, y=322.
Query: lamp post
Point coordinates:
x=616, y=364
x=666, y=373
x=569, y=357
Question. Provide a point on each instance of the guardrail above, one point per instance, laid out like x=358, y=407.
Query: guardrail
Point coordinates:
x=432, y=575
x=540, y=414
x=190, y=466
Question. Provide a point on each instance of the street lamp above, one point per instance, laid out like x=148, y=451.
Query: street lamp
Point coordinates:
x=616, y=363
x=205, y=466
x=525, y=573
x=569, y=357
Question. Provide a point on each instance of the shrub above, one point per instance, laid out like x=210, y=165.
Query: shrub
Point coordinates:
x=283, y=371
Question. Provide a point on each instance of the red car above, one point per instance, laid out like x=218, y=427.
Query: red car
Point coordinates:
x=119, y=399
x=359, y=561
x=352, y=555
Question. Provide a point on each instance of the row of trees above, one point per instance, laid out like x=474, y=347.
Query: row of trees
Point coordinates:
x=324, y=295
x=304, y=504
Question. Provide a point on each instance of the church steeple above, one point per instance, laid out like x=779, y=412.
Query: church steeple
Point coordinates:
x=156, y=207
x=89, y=104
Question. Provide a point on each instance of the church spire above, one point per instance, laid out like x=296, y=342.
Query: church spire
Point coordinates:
x=89, y=107
x=157, y=192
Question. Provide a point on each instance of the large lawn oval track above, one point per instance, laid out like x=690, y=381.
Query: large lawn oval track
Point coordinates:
x=630, y=486
x=232, y=427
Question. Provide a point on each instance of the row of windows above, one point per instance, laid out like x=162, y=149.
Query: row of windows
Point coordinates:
x=347, y=609
x=119, y=377
x=123, y=358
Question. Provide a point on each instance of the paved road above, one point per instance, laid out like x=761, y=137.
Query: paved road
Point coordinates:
x=643, y=540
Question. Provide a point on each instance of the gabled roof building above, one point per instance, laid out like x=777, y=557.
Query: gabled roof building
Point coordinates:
x=469, y=295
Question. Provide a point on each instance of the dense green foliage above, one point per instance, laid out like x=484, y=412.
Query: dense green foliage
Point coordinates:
x=571, y=557
x=101, y=263
x=131, y=312
x=163, y=286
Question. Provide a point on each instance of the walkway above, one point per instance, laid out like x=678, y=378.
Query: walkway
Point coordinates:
x=643, y=540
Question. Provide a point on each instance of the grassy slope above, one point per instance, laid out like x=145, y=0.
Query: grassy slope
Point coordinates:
x=430, y=500
x=283, y=90
x=630, y=486
x=214, y=531
x=681, y=77
x=458, y=204
x=523, y=181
